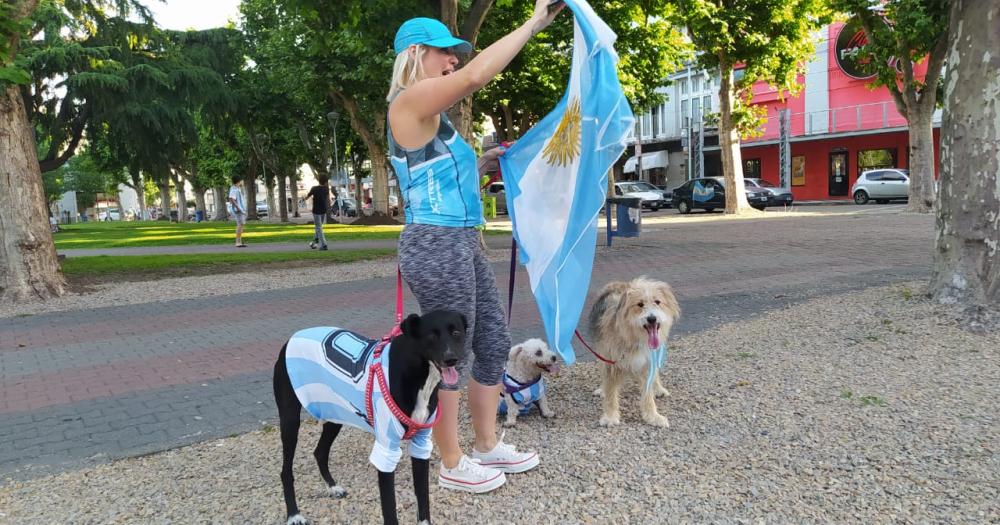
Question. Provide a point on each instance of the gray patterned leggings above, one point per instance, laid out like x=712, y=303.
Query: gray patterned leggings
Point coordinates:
x=446, y=268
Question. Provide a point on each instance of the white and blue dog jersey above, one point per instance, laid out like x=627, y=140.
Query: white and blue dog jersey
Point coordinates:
x=329, y=369
x=524, y=394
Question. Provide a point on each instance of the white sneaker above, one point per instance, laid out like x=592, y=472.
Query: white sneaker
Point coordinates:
x=470, y=476
x=506, y=458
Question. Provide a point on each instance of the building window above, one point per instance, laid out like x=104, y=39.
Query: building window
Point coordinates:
x=684, y=112
x=799, y=170
x=706, y=105
x=751, y=168
x=873, y=159
x=647, y=125
x=656, y=121
x=684, y=86
x=738, y=75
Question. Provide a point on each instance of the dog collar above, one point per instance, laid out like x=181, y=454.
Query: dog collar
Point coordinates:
x=376, y=373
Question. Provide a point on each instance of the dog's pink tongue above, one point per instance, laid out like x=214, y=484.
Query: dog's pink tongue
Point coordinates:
x=654, y=336
x=449, y=376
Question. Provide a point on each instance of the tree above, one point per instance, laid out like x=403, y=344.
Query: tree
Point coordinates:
x=28, y=264
x=650, y=49
x=901, y=35
x=967, y=251
x=770, y=39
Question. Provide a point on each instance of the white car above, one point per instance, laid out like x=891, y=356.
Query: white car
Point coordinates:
x=881, y=186
x=652, y=197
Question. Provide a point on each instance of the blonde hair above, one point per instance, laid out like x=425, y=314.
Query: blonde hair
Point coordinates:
x=406, y=71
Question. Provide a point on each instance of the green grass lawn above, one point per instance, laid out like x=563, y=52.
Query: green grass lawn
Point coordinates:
x=152, y=233
x=169, y=265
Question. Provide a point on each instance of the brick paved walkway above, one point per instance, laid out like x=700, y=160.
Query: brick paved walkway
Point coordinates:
x=87, y=386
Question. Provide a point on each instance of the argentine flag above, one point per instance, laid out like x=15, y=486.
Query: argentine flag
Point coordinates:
x=556, y=179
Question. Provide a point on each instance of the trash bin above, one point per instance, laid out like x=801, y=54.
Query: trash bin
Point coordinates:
x=628, y=213
x=490, y=207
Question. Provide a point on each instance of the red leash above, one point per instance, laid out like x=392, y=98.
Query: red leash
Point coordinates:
x=599, y=356
x=375, y=372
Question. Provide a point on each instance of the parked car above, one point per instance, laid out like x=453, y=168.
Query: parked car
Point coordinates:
x=345, y=206
x=261, y=209
x=668, y=195
x=652, y=197
x=882, y=186
x=109, y=215
x=709, y=193
x=777, y=196
x=496, y=189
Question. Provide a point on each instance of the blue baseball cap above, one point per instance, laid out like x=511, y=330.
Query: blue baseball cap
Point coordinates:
x=428, y=32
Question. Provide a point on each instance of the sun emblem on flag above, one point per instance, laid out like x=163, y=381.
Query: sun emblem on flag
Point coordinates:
x=564, y=146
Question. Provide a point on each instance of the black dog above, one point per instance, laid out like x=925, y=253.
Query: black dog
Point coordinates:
x=427, y=350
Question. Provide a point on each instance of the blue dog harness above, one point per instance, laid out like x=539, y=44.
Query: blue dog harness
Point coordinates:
x=334, y=372
x=524, y=394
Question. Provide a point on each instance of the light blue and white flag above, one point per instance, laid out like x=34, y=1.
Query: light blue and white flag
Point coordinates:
x=556, y=178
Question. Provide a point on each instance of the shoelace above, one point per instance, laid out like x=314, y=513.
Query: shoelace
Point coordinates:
x=473, y=465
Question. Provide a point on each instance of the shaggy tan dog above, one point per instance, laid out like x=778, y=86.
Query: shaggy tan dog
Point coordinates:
x=628, y=322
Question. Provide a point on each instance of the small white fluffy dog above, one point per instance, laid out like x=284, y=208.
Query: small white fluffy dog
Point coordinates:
x=628, y=322
x=523, y=381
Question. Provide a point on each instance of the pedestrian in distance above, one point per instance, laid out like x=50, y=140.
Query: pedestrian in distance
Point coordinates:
x=320, y=195
x=238, y=207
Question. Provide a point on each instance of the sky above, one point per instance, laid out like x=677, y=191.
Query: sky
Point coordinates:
x=193, y=14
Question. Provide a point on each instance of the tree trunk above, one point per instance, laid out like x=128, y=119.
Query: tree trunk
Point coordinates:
x=251, y=186
x=220, y=197
x=180, y=196
x=164, y=199
x=140, y=192
x=967, y=254
x=282, y=198
x=269, y=186
x=199, y=201
x=376, y=152
x=729, y=142
x=922, y=184
x=294, y=181
x=29, y=267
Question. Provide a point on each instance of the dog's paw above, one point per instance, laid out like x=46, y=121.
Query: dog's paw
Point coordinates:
x=336, y=491
x=657, y=420
x=297, y=519
x=424, y=522
x=548, y=413
x=610, y=421
x=662, y=392
x=509, y=422
x=598, y=392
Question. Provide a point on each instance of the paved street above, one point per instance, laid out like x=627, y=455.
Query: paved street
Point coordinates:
x=86, y=386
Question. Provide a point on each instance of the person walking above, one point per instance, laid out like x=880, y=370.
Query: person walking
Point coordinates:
x=238, y=207
x=440, y=250
x=320, y=195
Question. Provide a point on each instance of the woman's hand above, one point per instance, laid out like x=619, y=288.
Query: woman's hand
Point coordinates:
x=488, y=162
x=543, y=16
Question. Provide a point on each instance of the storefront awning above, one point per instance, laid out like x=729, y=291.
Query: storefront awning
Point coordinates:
x=654, y=159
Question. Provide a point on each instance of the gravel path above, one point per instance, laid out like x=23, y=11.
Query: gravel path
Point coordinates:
x=865, y=407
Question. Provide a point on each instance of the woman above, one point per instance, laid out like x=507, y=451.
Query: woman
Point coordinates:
x=440, y=252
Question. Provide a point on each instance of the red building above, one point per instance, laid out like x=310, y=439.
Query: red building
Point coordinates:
x=838, y=126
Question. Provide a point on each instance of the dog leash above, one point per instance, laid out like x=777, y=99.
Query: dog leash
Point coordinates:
x=599, y=356
x=376, y=373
